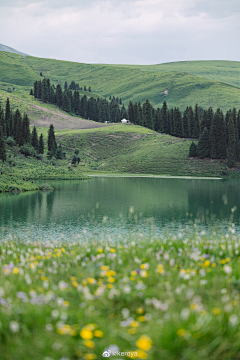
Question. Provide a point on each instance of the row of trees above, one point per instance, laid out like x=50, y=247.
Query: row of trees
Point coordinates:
x=99, y=109
x=220, y=138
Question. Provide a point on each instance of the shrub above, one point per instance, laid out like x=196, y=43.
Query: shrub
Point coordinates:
x=27, y=150
x=10, y=141
x=193, y=150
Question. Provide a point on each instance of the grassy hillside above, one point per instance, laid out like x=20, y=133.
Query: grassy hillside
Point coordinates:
x=133, y=149
x=9, y=49
x=136, y=83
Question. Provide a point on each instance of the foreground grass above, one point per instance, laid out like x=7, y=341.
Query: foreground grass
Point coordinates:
x=140, y=298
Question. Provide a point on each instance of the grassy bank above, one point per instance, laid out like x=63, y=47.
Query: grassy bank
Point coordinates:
x=151, y=299
x=20, y=173
x=136, y=150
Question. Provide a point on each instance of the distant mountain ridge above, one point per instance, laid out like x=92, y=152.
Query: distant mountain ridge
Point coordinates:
x=11, y=50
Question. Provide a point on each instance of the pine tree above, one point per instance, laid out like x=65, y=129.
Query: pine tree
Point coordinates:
x=164, y=117
x=210, y=118
x=124, y=114
x=76, y=102
x=185, y=124
x=232, y=145
x=148, y=115
x=196, y=123
x=2, y=121
x=52, y=145
x=157, y=123
x=31, y=92
x=213, y=137
x=137, y=120
x=39, y=90
x=59, y=95
x=2, y=146
x=89, y=89
x=190, y=122
x=170, y=121
x=203, y=146
x=204, y=121
x=113, y=109
x=25, y=134
x=34, y=138
x=193, y=150
x=131, y=112
x=65, y=86
x=177, y=123
x=35, y=89
x=66, y=104
x=41, y=145
x=45, y=91
x=118, y=116
x=140, y=113
x=83, y=106
x=7, y=117
x=17, y=128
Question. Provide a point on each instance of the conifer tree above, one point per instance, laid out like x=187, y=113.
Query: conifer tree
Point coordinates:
x=2, y=121
x=170, y=121
x=2, y=146
x=17, y=129
x=66, y=104
x=196, y=123
x=148, y=115
x=157, y=123
x=124, y=114
x=177, y=122
x=83, y=106
x=39, y=90
x=34, y=138
x=52, y=145
x=140, y=113
x=232, y=145
x=131, y=112
x=137, y=120
x=164, y=117
x=204, y=121
x=31, y=92
x=213, y=137
x=59, y=95
x=210, y=118
x=7, y=117
x=35, y=89
x=45, y=91
x=41, y=145
x=25, y=134
x=65, y=86
x=118, y=116
x=185, y=124
x=190, y=122
x=203, y=146
x=193, y=150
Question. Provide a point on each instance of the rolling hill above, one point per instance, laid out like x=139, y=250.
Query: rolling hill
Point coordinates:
x=208, y=83
x=9, y=49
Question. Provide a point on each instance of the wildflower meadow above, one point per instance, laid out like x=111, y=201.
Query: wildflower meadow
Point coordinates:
x=172, y=297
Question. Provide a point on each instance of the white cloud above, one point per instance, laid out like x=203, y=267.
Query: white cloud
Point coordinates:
x=126, y=31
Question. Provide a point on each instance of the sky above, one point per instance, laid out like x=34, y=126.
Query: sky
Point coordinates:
x=123, y=31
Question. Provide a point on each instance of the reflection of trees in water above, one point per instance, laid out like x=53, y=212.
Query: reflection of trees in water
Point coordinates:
x=50, y=202
x=214, y=200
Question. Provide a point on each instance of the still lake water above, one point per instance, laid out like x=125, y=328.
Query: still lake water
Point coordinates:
x=110, y=206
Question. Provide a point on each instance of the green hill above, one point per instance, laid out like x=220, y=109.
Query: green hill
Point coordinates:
x=9, y=49
x=215, y=84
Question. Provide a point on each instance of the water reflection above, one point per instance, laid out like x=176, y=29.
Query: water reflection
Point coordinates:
x=119, y=206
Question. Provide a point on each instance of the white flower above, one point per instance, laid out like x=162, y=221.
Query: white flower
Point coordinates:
x=125, y=313
x=203, y=282
x=227, y=269
x=55, y=313
x=2, y=292
x=225, y=298
x=228, y=307
x=233, y=320
x=185, y=313
x=126, y=289
x=14, y=326
x=49, y=327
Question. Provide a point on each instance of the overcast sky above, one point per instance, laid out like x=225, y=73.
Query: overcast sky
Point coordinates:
x=123, y=31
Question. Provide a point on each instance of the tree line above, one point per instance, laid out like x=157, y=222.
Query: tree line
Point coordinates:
x=99, y=109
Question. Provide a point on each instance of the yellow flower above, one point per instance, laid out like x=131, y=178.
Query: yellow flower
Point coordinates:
x=84, y=282
x=144, y=266
x=206, y=263
x=62, y=249
x=74, y=283
x=111, y=273
x=100, y=250
x=109, y=286
x=86, y=334
x=216, y=311
x=104, y=267
x=141, y=318
x=15, y=270
x=181, y=332
x=90, y=356
x=132, y=331
x=194, y=306
x=66, y=303
x=139, y=310
x=111, y=279
x=89, y=343
x=112, y=250
x=213, y=265
x=98, y=333
x=142, y=354
x=133, y=273
x=144, y=343
x=134, y=324
x=91, y=281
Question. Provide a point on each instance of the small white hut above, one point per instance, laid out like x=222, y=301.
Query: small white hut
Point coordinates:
x=124, y=121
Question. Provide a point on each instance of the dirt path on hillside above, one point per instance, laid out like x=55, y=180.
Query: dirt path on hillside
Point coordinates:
x=41, y=116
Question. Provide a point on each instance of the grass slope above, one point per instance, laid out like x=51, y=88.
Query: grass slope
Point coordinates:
x=133, y=149
x=136, y=83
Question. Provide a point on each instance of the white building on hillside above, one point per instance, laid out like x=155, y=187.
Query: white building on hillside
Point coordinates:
x=124, y=121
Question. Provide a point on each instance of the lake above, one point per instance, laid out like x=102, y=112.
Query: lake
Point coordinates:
x=119, y=206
